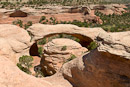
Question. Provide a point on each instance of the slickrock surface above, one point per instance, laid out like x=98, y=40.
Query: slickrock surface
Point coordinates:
x=11, y=76
x=14, y=42
x=106, y=66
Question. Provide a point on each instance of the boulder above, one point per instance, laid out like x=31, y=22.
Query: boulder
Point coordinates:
x=14, y=42
x=59, y=51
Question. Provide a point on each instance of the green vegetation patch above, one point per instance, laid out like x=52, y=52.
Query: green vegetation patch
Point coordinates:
x=64, y=48
x=25, y=63
x=92, y=46
x=40, y=51
x=72, y=56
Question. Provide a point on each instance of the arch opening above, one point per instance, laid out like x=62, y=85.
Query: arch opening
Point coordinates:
x=83, y=40
x=34, y=50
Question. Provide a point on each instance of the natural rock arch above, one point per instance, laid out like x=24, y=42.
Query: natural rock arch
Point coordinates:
x=84, y=41
x=86, y=35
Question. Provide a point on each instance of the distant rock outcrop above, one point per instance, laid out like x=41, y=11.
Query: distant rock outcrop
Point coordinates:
x=18, y=13
x=85, y=10
x=117, y=9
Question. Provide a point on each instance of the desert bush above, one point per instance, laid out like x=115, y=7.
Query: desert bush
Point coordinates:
x=72, y=56
x=25, y=63
x=64, y=48
x=18, y=22
x=29, y=23
x=92, y=46
x=42, y=42
x=40, y=51
x=42, y=19
x=115, y=23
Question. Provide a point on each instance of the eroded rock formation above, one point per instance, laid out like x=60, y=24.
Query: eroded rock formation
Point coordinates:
x=59, y=51
x=11, y=76
x=86, y=35
x=106, y=66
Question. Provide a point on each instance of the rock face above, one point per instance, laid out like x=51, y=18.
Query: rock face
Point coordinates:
x=113, y=9
x=11, y=76
x=106, y=66
x=86, y=35
x=57, y=52
x=85, y=10
x=14, y=42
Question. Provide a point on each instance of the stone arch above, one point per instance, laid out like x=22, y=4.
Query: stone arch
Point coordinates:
x=86, y=35
x=84, y=41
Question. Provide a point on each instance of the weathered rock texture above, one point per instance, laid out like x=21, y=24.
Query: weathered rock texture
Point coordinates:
x=57, y=52
x=11, y=76
x=110, y=9
x=14, y=42
x=86, y=35
x=106, y=66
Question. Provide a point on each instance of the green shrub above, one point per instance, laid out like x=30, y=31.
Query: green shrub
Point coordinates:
x=42, y=19
x=23, y=68
x=42, y=42
x=29, y=23
x=92, y=46
x=25, y=63
x=64, y=48
x=40, y=51
x=71, y=58
x=18, y=22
